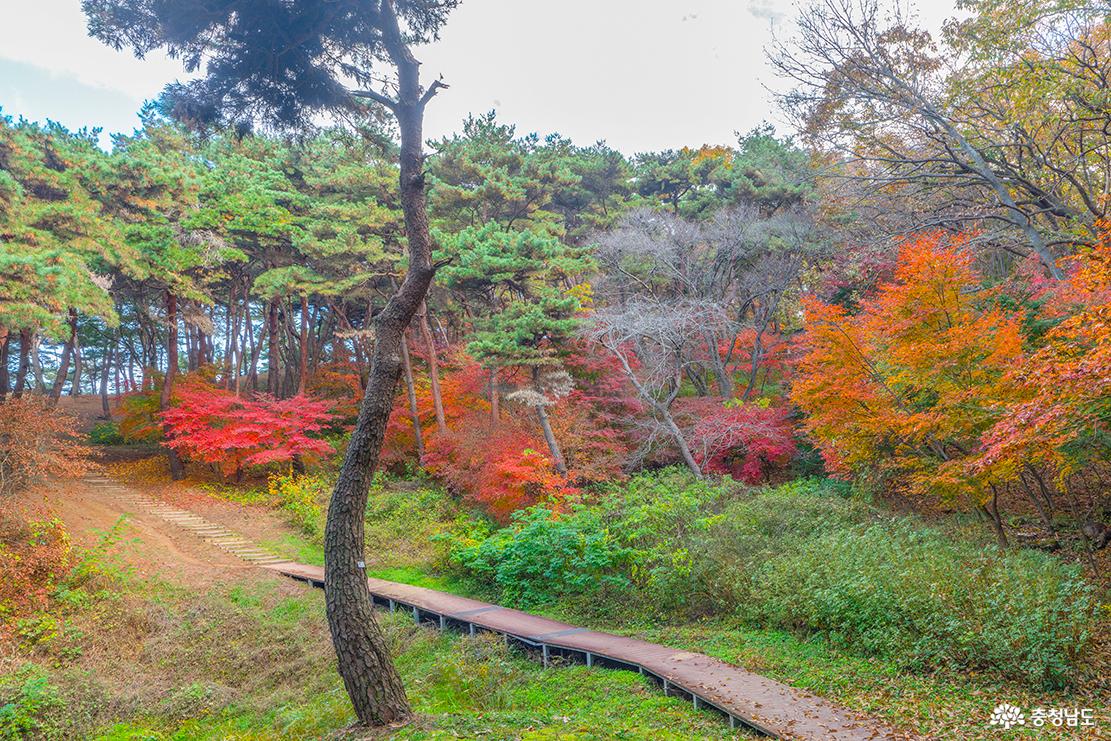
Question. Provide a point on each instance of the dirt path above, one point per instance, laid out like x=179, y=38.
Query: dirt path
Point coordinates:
x=172, y=531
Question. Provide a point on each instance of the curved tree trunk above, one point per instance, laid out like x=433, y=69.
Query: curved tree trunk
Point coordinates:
x=364, y=660
x=63, y=366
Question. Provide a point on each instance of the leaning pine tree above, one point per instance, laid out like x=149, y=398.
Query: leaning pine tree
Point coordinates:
x=279, y=63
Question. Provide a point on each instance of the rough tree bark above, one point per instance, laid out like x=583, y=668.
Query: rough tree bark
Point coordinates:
x=303, y=360
x=272, y=351
x=177, y=468
x=364, y=660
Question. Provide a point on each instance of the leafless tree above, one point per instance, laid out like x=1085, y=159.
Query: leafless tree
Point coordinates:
x=879, y=97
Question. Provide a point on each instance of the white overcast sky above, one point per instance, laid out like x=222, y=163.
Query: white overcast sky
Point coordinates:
x=640, y=74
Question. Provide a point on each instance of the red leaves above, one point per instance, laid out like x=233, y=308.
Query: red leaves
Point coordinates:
x=747, y=441
x=211, y=425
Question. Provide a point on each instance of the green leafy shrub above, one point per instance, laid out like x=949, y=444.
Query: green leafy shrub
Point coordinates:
x=27, y=702
x=914, y=595
x=302, y=498
x=541, y=557
x=106, y=433
x=805, y=557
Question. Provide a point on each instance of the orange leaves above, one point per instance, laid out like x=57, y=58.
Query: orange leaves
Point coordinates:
x=912, y=381
x=36, y=440
x=1062, y=407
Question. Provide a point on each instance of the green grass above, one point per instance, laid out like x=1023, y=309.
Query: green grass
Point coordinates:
x=459, y=686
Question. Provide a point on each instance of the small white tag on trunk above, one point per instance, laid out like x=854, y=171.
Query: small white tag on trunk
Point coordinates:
x=362, y=565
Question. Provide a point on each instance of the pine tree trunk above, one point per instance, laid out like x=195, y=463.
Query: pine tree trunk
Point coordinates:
x=5, y=349
x=364, y=660
x=411, y=391
x=109, y=350
x=272, y=350
x=177, y=468
x=36, y=366
x=25, y=340
x=433, y=367
x=303, y=365
x=75, y=384
x=63, y=366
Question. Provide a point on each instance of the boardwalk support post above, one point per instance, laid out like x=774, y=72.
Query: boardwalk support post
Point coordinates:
x=545, y=655
x=589, y=659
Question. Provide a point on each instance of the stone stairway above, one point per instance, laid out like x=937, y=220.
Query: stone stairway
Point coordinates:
x=212, y=532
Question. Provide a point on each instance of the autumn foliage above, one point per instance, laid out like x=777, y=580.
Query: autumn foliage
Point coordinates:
x=36, y=440
x=911, y=382
x=935, y=386
x=211, y=425
x=34, y=558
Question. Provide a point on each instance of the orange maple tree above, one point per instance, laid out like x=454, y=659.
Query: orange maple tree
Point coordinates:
x=911, y=382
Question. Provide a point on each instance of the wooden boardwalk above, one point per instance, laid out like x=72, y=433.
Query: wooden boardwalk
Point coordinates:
x=745, y=698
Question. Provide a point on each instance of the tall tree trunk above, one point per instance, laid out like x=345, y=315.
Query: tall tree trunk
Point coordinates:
x=558, y=463
x=25, y=340
x=411, y=392
x=303, y=364
x=63, y=365
x=109, y=350
x=272, y=351
x=231, y=331
x=36, y=366
x=549, y=437
x=75, y=385
x=433, y=367
x=5, y=350
x=364, y=660
x=495, y=397
x=177, y=468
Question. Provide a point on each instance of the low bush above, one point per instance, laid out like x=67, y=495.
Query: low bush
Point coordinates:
x=27, y=703
x=802, y=557
x=36, y=440
x=541, y=556
x=106, y=433
x=302, y=498
x=35, y=558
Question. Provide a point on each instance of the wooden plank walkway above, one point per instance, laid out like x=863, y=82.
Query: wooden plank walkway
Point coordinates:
x=746, y=698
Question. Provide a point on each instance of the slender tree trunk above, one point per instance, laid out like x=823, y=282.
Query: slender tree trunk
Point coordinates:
x=994, y=518
x=109, y=350
x=177, y=468
x=75, y=385
x=433, y=367
x=303, y=365
x=272, y=352
x=411, y=391
x=363, y=658
x=495, y=397
x=549, y=437
x=5, y=350
x=63, y=365
x=25, y=340
x=36, y=366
